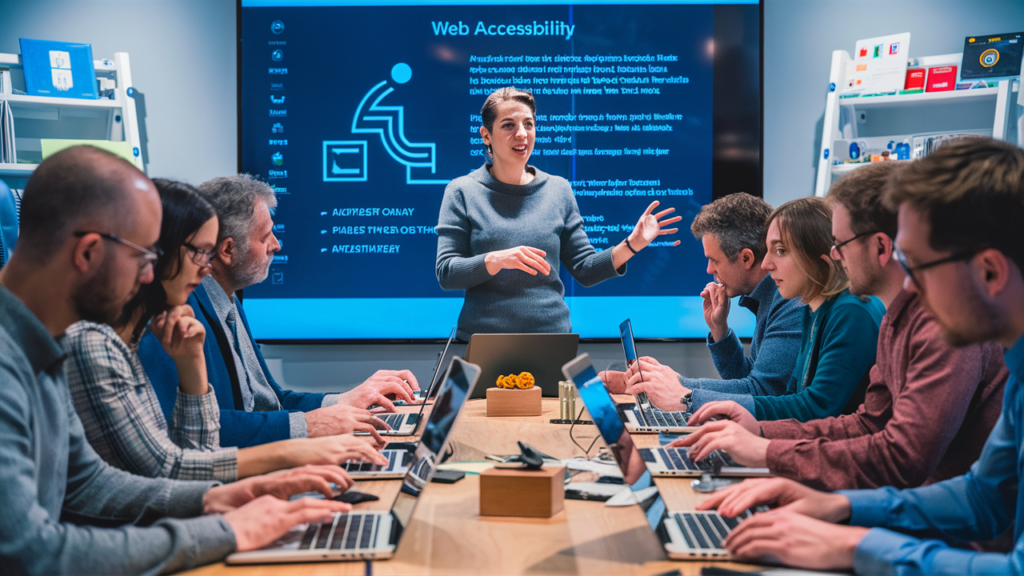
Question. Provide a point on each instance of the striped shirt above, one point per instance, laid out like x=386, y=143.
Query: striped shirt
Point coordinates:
x=122, y=418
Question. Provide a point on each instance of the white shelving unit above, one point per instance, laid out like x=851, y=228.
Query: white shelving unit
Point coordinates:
x=114, y=120
x=992, y=111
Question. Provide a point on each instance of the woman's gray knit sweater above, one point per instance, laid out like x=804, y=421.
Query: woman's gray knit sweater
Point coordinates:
x=480, y=214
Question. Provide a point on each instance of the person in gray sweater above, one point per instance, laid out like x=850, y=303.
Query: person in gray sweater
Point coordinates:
x=85, y=220
x=504, y=228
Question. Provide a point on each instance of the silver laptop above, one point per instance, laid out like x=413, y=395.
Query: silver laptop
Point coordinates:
x=374, y=535
x=539, y=354
x=690, y=535
x=404, y=424
x=643, y=416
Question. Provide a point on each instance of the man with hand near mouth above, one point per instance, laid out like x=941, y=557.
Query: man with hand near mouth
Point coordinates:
x=732, y=232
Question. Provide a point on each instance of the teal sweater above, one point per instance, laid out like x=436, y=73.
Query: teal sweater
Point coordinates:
x=837, y=350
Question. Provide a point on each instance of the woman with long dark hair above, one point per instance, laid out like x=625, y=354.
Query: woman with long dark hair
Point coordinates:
x=115, y=400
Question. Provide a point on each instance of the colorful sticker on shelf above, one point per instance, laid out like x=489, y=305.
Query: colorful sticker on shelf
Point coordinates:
x=880, y=65
x=60, y=69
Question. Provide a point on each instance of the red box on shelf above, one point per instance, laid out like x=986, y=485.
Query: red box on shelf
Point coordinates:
x=941, y=78
x=915, y=79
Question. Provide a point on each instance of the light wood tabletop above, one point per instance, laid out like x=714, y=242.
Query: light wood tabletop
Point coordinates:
x=447, y=535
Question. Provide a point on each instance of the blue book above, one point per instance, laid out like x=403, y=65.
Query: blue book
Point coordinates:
x=63, y=69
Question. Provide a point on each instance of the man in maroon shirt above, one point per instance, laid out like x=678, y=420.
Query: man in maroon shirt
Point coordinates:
x=929, y=407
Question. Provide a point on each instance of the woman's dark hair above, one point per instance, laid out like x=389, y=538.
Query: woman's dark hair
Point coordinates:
x=184, y=213
x=489, y=111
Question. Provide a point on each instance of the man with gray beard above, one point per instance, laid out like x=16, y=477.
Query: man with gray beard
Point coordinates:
x=254, y=408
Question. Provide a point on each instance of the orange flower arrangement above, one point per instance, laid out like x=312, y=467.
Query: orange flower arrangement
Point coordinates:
x=523, y=381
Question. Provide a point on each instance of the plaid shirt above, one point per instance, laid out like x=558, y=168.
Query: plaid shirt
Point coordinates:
x=122, y=418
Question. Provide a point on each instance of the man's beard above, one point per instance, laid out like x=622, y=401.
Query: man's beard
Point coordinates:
x=251, y=269
x=97, y=301
x=985, y=324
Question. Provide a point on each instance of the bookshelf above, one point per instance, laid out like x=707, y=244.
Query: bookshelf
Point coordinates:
x=902, y=117
x=38, y=117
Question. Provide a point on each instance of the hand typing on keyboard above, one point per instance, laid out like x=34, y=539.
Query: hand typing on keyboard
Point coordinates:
x=661, y=383
x=726, y=410
x=742, y=446
x=795, y=540
x=342, y=419
x=778, y=492
x=381, y=388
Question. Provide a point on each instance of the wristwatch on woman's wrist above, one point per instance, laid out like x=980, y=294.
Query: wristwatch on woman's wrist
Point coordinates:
x=686, y=401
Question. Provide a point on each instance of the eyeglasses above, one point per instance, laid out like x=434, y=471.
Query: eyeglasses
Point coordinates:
x=199, y=256
x=838, y=246
x=149, y=256
x=909, y=270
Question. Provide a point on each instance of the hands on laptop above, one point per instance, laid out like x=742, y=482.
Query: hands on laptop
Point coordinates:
x=799, y=532
x=725, y=410
x=745, y=448
x=343, y=419
x=381, y=388
x=662, y=384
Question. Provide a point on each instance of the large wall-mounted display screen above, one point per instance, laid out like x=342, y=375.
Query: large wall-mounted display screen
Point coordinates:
x=359, y=113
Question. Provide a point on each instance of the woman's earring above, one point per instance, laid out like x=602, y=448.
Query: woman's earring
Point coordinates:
x=490, y=152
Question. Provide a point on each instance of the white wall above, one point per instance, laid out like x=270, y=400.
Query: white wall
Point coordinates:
x=182, y=55
x=799, y=37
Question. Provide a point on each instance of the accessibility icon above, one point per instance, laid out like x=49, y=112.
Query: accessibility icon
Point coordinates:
x=345, y=160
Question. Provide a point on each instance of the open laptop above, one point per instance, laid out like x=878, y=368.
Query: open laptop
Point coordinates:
x=689, y=535
x=376, y=534
x=643, y=416
x=400, y=460
x=404, y=424
x=539, y=354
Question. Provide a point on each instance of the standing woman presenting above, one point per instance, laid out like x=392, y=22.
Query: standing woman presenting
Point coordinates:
x=505, y=227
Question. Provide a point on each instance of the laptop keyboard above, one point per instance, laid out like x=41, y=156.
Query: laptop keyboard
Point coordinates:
x=395, y=458
x=346, y=532
x=393, y=420
x=706, y=530
x=656, y=417
x=678, y=459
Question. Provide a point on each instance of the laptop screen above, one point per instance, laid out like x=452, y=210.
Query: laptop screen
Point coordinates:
x=602, y=409
x=458, y=383
x=628, y=346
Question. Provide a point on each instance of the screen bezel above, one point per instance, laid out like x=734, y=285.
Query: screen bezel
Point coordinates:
x=725, y=167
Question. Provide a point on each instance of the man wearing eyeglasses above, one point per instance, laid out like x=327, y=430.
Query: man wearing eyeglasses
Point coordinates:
x=929, y=406
x=960, y=214
x=87, y=217
x=254, y=408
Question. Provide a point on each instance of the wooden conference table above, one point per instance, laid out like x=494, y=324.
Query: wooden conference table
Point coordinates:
x=447, y=535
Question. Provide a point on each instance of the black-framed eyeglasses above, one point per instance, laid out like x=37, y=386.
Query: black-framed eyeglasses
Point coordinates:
x=149, y=255
x=199, y=256
x=909, y=270
x=838, y=246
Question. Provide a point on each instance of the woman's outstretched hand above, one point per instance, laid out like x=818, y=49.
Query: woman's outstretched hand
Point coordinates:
x=651, y=226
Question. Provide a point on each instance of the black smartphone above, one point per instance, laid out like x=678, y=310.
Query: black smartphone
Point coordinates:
x=447, y=476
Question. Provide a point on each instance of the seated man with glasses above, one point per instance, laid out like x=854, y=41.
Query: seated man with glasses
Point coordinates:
x=254, y=409
x=929, y=406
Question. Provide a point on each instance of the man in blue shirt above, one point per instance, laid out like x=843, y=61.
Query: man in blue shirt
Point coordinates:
x=254, y=409
x=731, y=230
x=962, y=246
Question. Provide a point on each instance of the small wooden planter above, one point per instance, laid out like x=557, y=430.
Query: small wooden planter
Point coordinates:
x=513, y=402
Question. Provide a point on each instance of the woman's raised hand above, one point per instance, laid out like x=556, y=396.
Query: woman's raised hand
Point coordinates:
x=651, y=226
x=525, y=258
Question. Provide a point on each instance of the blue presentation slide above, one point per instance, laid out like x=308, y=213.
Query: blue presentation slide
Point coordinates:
x=359, y=114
